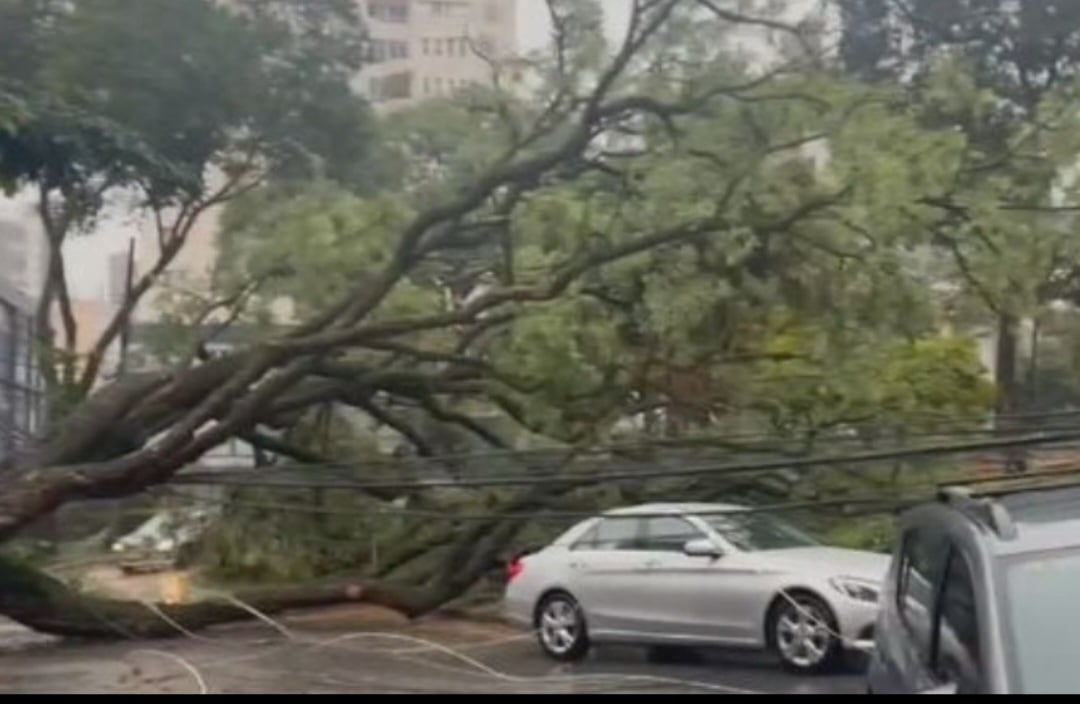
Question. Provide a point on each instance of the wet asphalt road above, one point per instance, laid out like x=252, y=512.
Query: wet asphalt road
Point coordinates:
x=750, y=672
x=467, y=658
x=273, y=668
x=711, y=671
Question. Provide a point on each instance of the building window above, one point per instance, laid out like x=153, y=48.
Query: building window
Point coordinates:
x=448, y=9
x=385, y=50
x=389, y=10
x=451, y=46
x=396, y=86
x=21, y=387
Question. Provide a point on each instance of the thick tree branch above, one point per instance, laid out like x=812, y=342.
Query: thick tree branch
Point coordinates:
x=172, y=238
x=385, y=417
x=743, y=19
x=967, y=270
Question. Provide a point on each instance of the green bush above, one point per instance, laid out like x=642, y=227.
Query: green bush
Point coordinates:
x=873, y=533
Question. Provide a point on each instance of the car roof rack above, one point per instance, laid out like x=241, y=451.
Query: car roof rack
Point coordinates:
x=985, y=511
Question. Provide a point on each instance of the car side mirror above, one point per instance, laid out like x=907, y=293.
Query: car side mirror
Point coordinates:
x=948, y=688
x=702, y=547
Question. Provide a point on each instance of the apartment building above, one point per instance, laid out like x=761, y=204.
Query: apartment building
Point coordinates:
x=425, y=49
x=420, y=49
x=22, y=397
x=23, y=251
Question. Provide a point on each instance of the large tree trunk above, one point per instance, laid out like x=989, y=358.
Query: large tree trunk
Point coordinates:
x=1005, y=365
x=1005, y=376
x=48, y=606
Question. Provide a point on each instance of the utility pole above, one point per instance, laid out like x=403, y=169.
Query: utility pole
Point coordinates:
x=125, y=331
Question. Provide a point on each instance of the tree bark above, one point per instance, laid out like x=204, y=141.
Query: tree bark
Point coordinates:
x=48, y=606
x=1005, y=377
x=1005, y=365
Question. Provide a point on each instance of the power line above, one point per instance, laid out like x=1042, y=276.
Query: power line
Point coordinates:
x=884, y=503
x=791, y=463
x=730, y=439
x=438, y=471
x=465, y=461
x=871, y=503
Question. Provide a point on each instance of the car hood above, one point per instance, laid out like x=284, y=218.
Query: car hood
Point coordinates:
x=831, y=562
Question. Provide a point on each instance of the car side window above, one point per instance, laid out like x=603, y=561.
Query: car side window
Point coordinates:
x=921, y=568
x=618, y=533
x=668, y=534
x=957, y=656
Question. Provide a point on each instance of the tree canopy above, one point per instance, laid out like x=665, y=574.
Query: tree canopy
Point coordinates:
x=660, y=238
x=184, y=105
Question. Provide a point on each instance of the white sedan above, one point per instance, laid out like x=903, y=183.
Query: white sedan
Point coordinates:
x=697, y=574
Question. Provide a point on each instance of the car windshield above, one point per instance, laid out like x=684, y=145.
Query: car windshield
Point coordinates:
x=1040, y=598
x=755, y=532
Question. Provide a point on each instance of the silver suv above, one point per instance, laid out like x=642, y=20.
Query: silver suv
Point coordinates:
x=981, y=596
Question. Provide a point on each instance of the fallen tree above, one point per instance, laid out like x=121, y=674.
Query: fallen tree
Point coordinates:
x=140, y=431
x=47, y=605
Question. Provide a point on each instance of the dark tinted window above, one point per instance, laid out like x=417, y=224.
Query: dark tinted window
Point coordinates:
x=389, y=10
x=668, y=534
x=921, y=568
x=958, y=650
x=755, y=532
x=612, y=534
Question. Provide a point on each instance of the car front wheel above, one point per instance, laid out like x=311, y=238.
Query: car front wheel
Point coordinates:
x=560, y=628
x=802, y=629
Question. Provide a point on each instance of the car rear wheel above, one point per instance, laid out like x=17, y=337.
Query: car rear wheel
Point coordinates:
x=560, y=628
x=802, y=630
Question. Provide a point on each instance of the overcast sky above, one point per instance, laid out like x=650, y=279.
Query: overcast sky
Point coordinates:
x=534, y=27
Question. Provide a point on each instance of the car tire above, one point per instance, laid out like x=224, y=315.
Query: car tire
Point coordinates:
x=802, y=631
x=561, y=629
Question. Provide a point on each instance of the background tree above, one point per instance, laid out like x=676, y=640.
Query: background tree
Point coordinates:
x=178, y=107
x=1005, y=74
x=663, y=229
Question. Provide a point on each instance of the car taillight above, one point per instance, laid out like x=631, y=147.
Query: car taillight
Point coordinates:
x=514, y=568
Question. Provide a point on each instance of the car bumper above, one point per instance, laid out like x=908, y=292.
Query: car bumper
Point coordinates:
x=857, y=620
x=517, y=611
